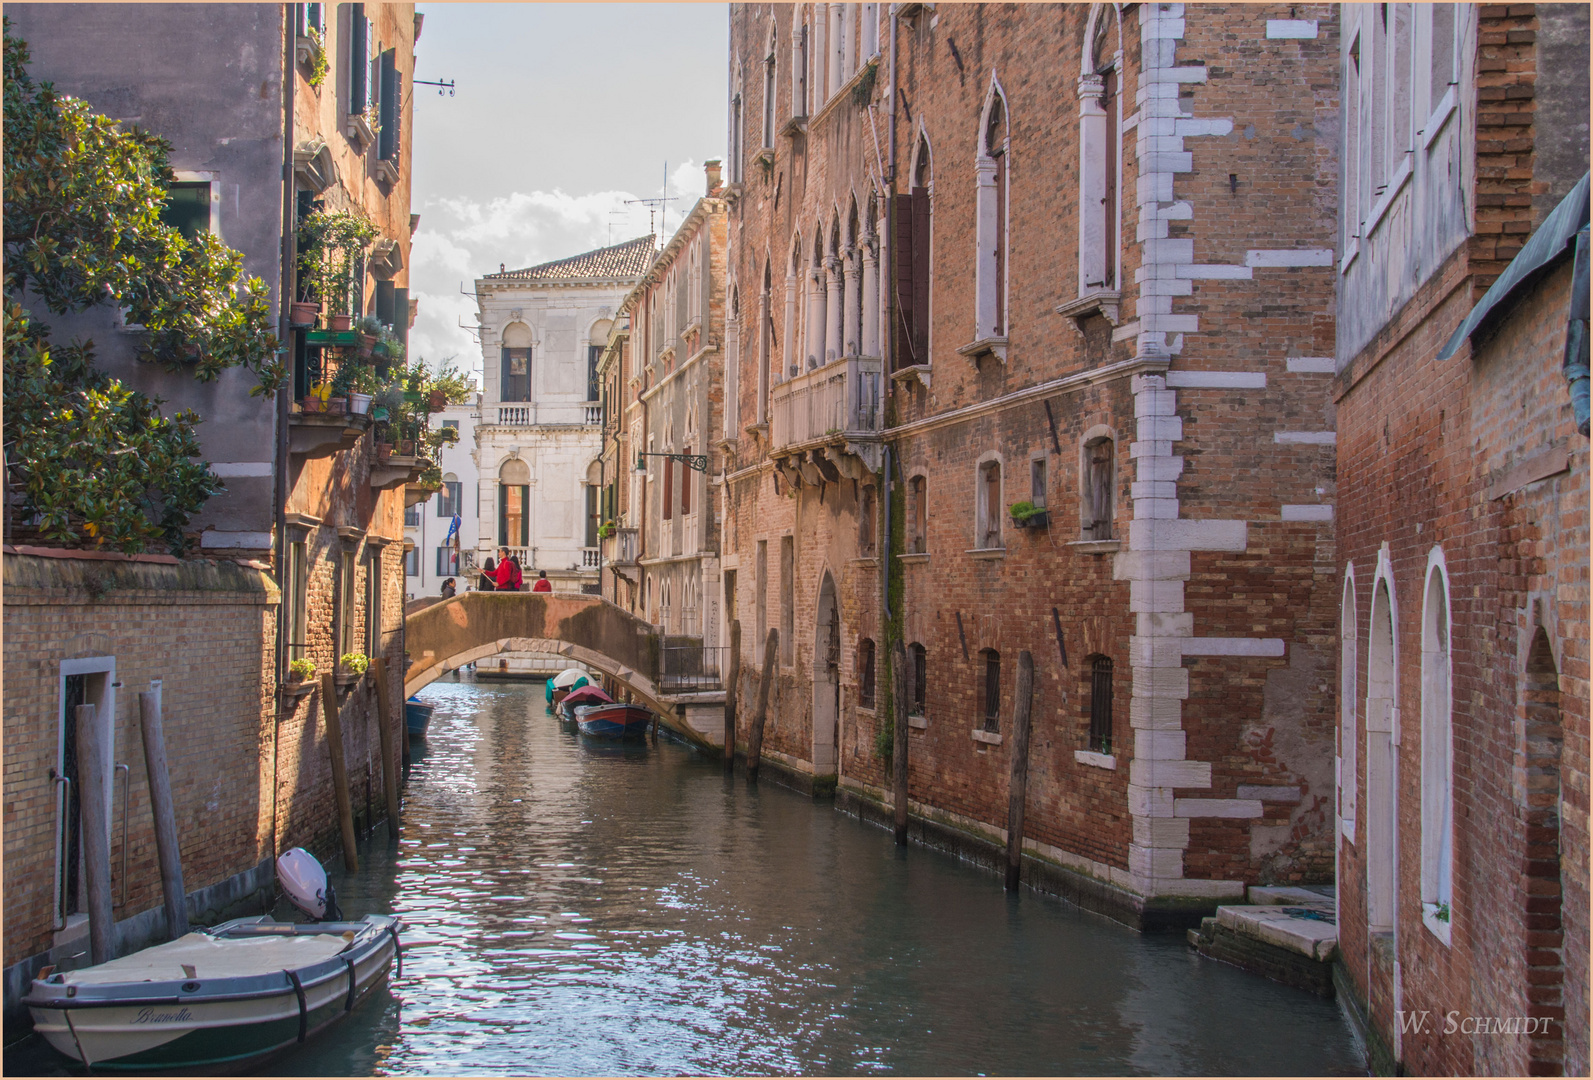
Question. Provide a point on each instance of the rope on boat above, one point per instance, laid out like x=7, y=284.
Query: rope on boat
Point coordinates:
x=348, y=1005
x=398, y=953
x=298, y=988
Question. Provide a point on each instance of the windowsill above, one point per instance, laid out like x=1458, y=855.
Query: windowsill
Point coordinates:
x=1435, y=123
x=1095, y=547
x=1351, y=250
x=987, y=553
x=918, y=723
x=993, y=346
x=764, y=156
x=795, y=126
x=386, y=170
x=306, y=52
x=1105, y=301
x=760, y=431
x=989, y=738
x=913, y=556
x=865, y=710
x=919, y=372
x=1095, y=760
x=842, y=92
x=1440, y=928
x=865, y=560
x=358, y=128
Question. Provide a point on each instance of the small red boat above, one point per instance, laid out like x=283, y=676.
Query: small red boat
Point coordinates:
x=581, y=695
x=614, y=721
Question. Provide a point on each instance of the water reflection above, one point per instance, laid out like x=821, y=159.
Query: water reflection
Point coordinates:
x=579, y=908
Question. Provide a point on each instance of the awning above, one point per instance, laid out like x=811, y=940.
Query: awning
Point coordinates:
x=1544, y=247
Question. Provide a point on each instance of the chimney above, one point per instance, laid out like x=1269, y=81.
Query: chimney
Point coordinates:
x=712, y=169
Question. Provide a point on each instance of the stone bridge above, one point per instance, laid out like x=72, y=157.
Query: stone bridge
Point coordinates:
x=589, y=630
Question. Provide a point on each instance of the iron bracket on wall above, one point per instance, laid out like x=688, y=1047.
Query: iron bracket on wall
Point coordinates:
x=693, y=461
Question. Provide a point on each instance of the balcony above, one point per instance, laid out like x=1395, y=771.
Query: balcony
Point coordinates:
x=550, y=414
x=826, y=424
x=396, y=472
x=621, y=548
x=589, y=558
x=319, y=435
x=514, y=415
x=594, y=415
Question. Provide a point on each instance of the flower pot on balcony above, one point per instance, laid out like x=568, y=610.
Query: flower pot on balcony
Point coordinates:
x=439, y=400
x=367, y=344
x=359, y=404
x=383, y=452
x=303, y=313
x=1038, y=520
x=406, y=447
x=339, y=323
x=336, y=406
x=312, y=403
x=295, y=687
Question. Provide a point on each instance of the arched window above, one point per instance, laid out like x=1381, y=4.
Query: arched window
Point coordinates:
x=816, y=297
x=1098, y=504
x=990, y=165
x=799, y=61
x=1100, y=704
x=987, y=533
x=913, y=238
x=768, y=93
x=1543, y=728
x=852, y=271
x=1381, y=807
x=1349, y=641
x=865, y=673
x=737, y=131
x=834, y=305
x=1100, y=152
x=515, y=376
x=1438, y=754
x=793, y=296
x=992, y=703
x=514, y=503
x=917, y=678
x=918, y=516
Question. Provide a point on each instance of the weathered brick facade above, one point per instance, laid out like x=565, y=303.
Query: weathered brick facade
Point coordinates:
x=1462, y=542
x=1185, y=361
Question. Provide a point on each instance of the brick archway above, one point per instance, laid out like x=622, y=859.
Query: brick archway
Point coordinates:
x=1545, y=939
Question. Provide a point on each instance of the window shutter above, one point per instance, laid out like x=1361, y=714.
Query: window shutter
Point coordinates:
x=685, y=484
x=387, y=140
x=400, y=321
x=904, y=354
x=920, y=257
x=358, y=60
x=669, y=488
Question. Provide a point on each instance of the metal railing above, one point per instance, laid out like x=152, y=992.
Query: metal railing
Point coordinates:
x=840, y=397
x=691, y=668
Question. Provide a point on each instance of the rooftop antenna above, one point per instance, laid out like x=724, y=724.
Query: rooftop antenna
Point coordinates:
x=611, y=213
x=658, y=205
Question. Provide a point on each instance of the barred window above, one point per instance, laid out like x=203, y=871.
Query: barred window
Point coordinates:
x=992, y=721
x=1101, y=704
x=865, y=673
x=917, y=678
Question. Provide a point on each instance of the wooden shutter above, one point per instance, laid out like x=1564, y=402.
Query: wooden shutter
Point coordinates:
x=358, y=61
x=387, y=138
x=669, y=488
x=685, y=484
x=921, y=275
x=905, y=353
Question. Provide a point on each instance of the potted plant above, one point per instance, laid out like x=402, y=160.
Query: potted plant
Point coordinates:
x=315, y=401
x=300, y=674
x=330, y=244
x=352, y=665
x=1026, y=515
x=606, y=530
x=303, y=312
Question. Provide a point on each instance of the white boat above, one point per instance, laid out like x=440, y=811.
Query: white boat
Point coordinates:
x=219, y=1000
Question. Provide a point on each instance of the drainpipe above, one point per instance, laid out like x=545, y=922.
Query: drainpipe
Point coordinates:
x=888, y=338
x=290, y=255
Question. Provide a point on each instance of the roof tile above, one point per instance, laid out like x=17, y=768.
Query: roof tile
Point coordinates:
x=629, y=260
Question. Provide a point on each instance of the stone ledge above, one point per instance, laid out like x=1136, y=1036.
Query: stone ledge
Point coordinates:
x=1299, y=929
x=1218, y=942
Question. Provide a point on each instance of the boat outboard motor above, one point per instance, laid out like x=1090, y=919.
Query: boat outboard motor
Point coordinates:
x=304, y=881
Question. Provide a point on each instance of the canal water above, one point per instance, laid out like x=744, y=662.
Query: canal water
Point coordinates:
x=576, y=908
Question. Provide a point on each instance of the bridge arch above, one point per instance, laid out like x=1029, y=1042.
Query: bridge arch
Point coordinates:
x=585, y=629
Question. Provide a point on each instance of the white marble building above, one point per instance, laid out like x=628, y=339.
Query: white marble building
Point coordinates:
x=539, y=439
x=428, y=560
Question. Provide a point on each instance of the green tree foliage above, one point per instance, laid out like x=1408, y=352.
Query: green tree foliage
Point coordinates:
x=88, y=458
x=458, y=386
x=82, y=227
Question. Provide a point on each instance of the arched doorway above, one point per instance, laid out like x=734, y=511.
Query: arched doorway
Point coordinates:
x=1545, y=939
x=826, y=681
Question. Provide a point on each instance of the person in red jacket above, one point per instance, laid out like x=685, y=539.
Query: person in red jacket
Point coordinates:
x=542, y=584
x=507, y=577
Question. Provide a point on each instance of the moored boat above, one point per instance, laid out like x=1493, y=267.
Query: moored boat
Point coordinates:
x=214, y=1000
x=615, y=720
x=417, y=717
x=581, y=695
x=565, y=681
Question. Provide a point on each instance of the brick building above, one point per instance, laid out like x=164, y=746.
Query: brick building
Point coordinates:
x=1034, y=349
x=673, y=404
x=1462, y=536
x=300, y=556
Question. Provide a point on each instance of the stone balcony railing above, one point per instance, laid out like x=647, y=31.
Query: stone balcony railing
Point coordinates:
x=826, y=423
x=553, y=414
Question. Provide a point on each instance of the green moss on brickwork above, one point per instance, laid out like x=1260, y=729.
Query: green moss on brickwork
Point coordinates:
x=100, y=577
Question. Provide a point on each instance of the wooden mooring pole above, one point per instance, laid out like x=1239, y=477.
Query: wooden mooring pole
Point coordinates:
x=334, y=743
x=771, y=660
x=899, y=744
x=1019, y=787
x=167, y=848
x=384, y=725
x=92, y=769
x=731, y=686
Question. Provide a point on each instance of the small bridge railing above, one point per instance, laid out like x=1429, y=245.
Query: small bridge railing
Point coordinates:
x=691, y=668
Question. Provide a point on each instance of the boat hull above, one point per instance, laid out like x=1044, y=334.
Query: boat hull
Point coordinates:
x=613, y=721
x=417, y=718
x=217, y=1024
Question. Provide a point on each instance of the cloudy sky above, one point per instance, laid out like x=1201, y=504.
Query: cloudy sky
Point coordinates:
x=562, y=112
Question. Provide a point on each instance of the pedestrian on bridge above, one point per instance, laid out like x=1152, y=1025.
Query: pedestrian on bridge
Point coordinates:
x=489, y=576
x=543, y=584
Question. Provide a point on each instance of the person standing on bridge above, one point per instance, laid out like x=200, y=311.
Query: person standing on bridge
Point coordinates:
x=508, y=577
x=448, y=589
x=543, y=584
x=489, y=577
